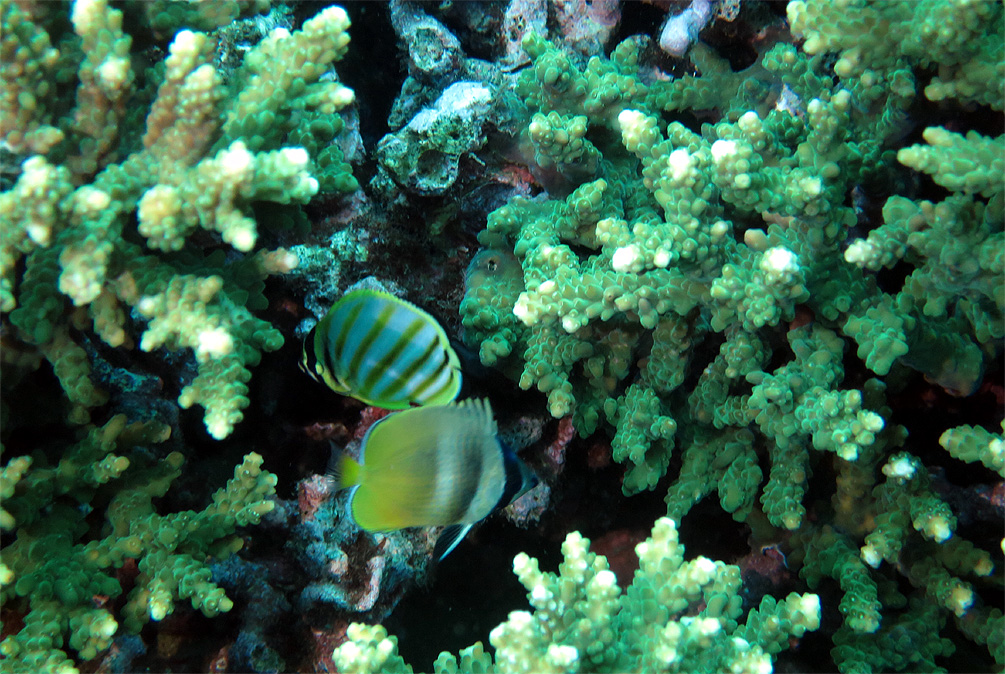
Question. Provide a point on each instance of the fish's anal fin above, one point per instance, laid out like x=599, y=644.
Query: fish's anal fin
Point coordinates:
x=448, y=540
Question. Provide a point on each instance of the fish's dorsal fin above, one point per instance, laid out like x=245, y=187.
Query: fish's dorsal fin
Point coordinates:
x=448, y=540
x=385, y=434
x=482, y=408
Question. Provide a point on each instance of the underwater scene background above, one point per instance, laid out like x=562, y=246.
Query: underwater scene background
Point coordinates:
x=731, y=275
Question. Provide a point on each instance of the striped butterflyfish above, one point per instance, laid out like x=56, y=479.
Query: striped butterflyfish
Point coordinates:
x=432, y=466
x=383, y=351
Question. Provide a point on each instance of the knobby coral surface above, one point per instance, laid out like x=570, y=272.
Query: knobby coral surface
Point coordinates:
x=761, y=262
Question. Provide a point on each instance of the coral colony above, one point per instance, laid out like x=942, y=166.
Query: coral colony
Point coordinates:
x=717, y=274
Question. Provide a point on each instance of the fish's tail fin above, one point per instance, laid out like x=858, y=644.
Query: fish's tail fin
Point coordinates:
x=343, y=471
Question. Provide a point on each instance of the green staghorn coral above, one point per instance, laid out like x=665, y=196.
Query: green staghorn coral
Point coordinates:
x=134, y=215
x=642, y=265
x=876, y=40
x=213, y=145
x=58, y=570
x=676, y=616
x=973, y=443
x=903, y=522
x=740, y=305
x=165, y=17
x=724, y=256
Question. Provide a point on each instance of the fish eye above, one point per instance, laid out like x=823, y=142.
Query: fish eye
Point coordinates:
x=492, y=264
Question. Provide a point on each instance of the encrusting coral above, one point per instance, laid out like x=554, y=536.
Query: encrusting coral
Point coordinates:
x=676, y=616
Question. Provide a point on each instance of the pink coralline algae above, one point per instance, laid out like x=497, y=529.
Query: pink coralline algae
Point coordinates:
x=311, y=493
x=555, y=451
x=352, y=570
x=528, y=509
x=369, y=416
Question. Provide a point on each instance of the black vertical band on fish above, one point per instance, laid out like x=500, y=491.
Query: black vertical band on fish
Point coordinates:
x=383, y=351
x=433, y=466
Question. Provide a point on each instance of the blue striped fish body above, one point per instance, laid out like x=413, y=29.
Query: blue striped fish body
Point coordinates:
x=383, y=351
x=432, y=466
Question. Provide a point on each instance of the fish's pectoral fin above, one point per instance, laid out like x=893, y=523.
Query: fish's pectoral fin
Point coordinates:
x=342, y=470
x=448, y=540
x=332, y=469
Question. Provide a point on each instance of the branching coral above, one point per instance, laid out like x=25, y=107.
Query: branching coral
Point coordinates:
x=738, y=236
x=59, y=572
x=735, y=275
x=132, y=218
x=210, y=151
x=676, y=616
